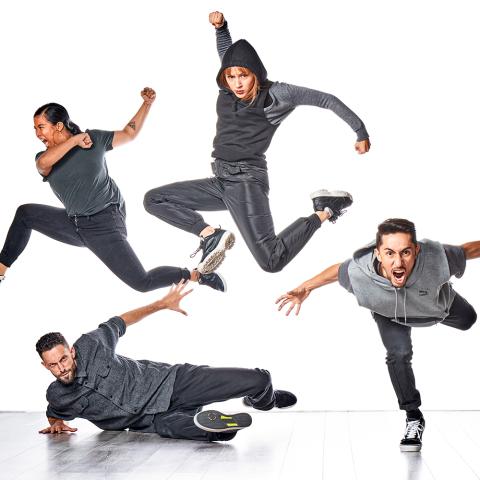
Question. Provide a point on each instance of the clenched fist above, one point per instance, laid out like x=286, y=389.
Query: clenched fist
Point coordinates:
x=216, y=19
x=148, y=94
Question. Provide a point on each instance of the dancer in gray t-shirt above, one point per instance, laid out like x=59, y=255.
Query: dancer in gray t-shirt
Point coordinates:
x=94, y=215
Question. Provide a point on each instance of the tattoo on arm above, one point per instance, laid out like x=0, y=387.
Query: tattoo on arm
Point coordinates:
x=132, y=125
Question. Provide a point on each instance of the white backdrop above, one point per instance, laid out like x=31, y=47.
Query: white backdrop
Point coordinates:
x=409, y=69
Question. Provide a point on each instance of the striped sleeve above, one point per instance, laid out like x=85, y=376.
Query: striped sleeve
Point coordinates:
x=224, y=40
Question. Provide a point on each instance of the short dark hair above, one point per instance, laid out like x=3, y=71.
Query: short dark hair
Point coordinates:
x=396, y=225
x=49, y=341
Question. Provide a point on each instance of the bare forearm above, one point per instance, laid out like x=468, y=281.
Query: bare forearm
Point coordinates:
x=138, y=314
x=471, y=249
x=134, y=126
x=54, y=154
x=326, y=277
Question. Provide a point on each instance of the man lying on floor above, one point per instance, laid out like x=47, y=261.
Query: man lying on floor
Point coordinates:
x=116, y=392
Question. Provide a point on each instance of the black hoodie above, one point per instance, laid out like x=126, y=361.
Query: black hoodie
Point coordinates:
x=243, y=131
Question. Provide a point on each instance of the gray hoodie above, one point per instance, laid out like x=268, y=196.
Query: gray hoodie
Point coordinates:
x=427, y=296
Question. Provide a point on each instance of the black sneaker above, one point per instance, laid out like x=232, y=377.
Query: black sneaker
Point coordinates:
x=213, y=280
x=214, y=421
x=213, y=250
x=283, y=399
x=412, y=441
x=334, y=202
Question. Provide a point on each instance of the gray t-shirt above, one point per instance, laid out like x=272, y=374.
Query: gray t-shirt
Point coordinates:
x=80, y=179
x=455, y=257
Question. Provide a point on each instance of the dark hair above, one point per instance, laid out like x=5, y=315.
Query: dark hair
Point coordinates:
x=54, y=113
x=49, y=341
x=396, y=225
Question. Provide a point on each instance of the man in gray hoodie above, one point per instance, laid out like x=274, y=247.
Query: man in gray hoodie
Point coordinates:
x=404, y=283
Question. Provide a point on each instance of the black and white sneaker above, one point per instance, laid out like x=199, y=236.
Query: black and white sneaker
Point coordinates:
x=412, y=441
x=214, y=421
x=334, y=202
x=283, y=399
x=213, y=280
x=2, y=277
x=213, y=250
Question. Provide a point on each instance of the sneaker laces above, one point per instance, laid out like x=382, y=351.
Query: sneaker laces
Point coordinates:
x=202, y=241
x=197, y=250
x=414, y=429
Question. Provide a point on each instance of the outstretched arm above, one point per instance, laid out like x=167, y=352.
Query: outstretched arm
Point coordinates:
x=171, y=301
x=471, y=249
x=224, y=40
x=57, y=425
x=291, y=96
x=298, y=295
x=134, y=126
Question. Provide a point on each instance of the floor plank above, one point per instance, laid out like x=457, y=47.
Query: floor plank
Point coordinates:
x=279, y=446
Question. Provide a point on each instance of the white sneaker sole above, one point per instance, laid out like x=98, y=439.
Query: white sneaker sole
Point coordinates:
x=333, y=193
x=215, y=258
x=410, y=448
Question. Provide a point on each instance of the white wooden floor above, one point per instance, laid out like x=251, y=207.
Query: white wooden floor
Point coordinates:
x=279, y=445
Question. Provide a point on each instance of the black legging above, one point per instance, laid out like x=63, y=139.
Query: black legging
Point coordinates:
x=245, y=195
x=398, y=342
x=104, y=233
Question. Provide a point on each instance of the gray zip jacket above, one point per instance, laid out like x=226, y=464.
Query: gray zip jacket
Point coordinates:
x=427, y=296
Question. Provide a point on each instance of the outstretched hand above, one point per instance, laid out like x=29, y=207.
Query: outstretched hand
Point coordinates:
x=148, y=94
x=295, y=298
x=172, y=299
x=58, y=427
x=216, y=19
x=363, y=146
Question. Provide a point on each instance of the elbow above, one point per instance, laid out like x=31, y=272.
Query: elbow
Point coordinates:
x=130, y=132
x=43, y=167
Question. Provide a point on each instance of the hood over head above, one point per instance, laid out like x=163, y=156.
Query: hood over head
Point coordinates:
x=242, y=54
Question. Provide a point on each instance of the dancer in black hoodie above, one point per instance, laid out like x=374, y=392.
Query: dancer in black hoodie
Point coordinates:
x=250, y=108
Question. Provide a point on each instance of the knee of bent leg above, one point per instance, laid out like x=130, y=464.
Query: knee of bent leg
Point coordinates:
x=399, y=355
x=469, y=320
x=262, y=379
x=154, y=197
x=271, y=268
x=23, y=210
x=270, y=264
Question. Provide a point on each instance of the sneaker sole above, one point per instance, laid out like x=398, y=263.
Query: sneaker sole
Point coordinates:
x=333, y=193
x=215, y=258
x=215, y=421
x=410, y=448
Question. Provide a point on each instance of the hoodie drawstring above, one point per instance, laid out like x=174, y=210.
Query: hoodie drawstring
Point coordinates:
x=396, y=304
x=404, y=305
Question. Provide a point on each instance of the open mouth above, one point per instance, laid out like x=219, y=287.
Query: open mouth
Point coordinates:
x=398, y=275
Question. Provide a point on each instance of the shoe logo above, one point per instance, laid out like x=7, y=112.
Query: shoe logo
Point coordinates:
x=422, y=293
